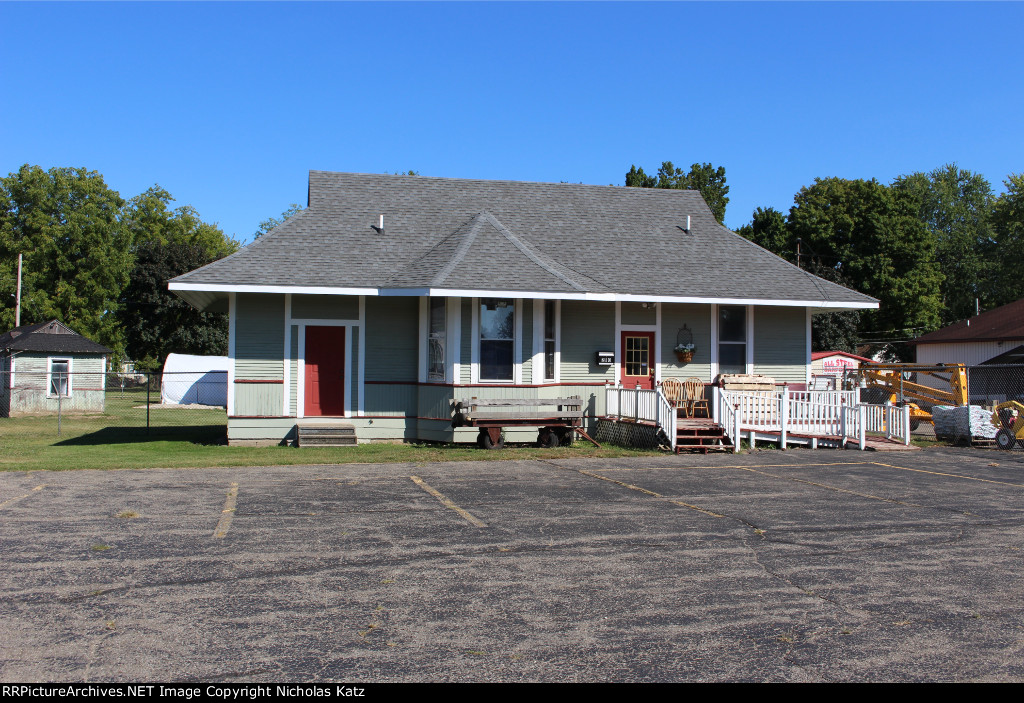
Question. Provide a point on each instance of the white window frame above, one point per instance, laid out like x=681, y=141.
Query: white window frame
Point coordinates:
x=517, y=349
x=49, y=374
x=539, y=366
x=442, y=339
x=748, y=360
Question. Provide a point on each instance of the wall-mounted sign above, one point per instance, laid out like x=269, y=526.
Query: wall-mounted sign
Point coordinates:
x=836, y=365
x=606, y=358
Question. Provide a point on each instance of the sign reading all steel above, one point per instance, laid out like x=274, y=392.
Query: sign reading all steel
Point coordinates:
x=605, y=358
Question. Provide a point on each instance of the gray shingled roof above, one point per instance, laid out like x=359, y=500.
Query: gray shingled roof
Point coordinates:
x=554, y=238
x=49, y=337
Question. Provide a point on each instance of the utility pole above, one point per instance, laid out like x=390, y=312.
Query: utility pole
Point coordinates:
x=17, y=306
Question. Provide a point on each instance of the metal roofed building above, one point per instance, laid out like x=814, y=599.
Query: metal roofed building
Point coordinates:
x=390, y=295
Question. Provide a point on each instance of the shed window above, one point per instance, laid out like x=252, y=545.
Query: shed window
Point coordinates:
x=497, y=339
x=59, y=378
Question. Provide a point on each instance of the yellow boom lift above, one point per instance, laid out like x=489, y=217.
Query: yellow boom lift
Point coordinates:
x=894, y=379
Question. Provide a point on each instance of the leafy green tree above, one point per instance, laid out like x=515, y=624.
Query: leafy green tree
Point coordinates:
x=156, y=322
x=874, y=237
x=636, y=178
x=1008, y=251
x=168, y=243
x=768, y=229
x=956, y=205
x=702, y=177
x=149, y=218
x=834, y=331
x=77, y=255
x=272, y=222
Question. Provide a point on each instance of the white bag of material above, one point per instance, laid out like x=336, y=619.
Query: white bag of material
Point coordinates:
x=963, y=423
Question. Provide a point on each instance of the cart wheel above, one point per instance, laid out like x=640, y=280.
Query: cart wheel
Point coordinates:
x=567, y=437
x=1005, y=439
x=547, y=439
x=480, y=438
x=488, y=443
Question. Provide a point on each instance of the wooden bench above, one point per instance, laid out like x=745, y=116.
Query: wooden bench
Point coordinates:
x=558, y=419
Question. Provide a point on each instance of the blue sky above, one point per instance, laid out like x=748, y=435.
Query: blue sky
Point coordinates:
x=228, y=106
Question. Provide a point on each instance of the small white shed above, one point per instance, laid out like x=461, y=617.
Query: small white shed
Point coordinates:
x=189, y=379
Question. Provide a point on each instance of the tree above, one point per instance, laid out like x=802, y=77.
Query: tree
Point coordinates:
x=873, y=236
x=157, y=322
x=834, y=331
x=168, y=243
x=272, y=222
x=149, y=218
x=702, y=177
x=768, y=229
x=956, y=205
x=77, y=255
x=1008, y=249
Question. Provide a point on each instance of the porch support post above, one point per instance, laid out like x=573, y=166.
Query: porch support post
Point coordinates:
x=862, y=417
x=783, y=415
x=906, y=425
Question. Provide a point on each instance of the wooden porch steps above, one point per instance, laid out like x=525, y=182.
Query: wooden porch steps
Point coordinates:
x=696, y=434
x=334, y=435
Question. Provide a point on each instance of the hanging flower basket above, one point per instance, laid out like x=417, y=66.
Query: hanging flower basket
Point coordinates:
x=685, y=347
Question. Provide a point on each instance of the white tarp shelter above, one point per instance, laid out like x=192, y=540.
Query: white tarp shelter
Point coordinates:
x=194, y=380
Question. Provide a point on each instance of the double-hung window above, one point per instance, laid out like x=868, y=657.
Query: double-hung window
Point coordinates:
x=732, y=339
x=497, y=339
x=437, y=330
x=549, y=340
x=59, y=381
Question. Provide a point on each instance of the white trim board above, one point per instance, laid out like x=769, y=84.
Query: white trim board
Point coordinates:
x=546, y=295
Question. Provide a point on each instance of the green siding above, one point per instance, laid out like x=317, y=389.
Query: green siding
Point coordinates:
x=293, y=397
x=587, y=328
x=256, y=399
x=259, y=338
x=395, y=400
x=392, y=338
x=635, y=314
x=697, y=319
x=326, y=307
x=31, y=384
x=780, y=343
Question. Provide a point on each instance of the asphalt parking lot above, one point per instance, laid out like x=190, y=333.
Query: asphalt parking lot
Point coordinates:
x=782, y=566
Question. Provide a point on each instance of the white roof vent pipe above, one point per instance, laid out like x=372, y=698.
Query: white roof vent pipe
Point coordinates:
x=379, y=227
x=687, y=223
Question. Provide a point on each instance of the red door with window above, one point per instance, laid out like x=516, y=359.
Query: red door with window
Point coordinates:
x=637, y=362
x=325, y=371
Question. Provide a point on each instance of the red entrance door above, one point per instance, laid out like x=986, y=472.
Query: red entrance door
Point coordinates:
x=325, y=371
x=637, y=362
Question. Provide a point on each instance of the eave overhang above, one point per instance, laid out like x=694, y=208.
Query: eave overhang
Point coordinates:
x=201, y=295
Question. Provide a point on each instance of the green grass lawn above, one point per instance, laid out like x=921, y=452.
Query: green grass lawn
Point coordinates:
x=186, y=438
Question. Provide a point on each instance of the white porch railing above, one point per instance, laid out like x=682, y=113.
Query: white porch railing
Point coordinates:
x=828, y=414
x=641, y=405
x=823, y=414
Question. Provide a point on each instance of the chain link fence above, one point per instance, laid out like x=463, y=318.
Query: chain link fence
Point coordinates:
x=999, y=389
x=66, y=403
